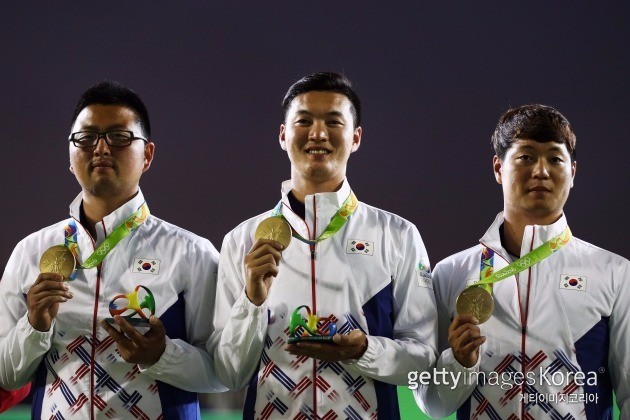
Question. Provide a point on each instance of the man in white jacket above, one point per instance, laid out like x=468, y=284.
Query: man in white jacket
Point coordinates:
x=52, y=328
x=359, y=269
x=556, y=344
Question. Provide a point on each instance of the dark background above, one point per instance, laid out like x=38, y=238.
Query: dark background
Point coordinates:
x=433, y=77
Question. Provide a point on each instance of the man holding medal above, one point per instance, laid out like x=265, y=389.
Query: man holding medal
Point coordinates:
x=346, y=284
x=532, y=321
x=110, y=258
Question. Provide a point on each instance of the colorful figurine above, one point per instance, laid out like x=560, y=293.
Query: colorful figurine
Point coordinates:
x=311, y=328
x=129, y=305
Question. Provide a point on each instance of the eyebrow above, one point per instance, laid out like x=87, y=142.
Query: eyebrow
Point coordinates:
x=552, y=149
x=108, y=128
x=330, y=113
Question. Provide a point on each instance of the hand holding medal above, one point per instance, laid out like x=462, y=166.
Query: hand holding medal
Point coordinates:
x=50, y=288
x=272, y=236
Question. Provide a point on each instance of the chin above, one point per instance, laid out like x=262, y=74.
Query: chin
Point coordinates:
x=104, y=189
x=544, y=212
x=319, y=172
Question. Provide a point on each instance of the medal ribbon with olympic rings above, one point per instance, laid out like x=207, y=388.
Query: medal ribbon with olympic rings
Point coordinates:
x=487, y=277
x=339, y=219
x=125, y=228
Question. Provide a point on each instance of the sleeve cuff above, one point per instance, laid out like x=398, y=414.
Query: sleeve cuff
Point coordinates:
x=244, y=304
x=172, y=355
x=447, y=360
x=367, y=358
x=34, y=336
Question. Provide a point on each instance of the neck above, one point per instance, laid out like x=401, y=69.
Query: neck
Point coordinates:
x=301, y=188
x=514, y=228
x=96, y=208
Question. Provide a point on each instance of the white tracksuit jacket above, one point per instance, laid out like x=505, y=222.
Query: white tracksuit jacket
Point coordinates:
x=382, y=287
x=75, y=366
x=578, y=320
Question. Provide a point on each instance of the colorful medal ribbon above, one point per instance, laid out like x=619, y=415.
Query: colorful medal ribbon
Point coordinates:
x=336, y=223
x=486, y=275
x=108, y=244
x=70, y=242
x=486, y=267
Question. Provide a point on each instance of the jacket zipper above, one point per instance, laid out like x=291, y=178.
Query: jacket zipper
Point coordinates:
x=314, y=302
x=95, y=324
x=524, y=316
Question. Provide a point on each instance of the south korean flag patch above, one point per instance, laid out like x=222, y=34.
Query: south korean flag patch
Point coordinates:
x=573, y=282
x=146, y=266
x=357, y=246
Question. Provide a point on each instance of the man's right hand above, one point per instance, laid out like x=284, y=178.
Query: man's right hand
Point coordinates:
x=43, y=299
x=261, y=266
x=464, y=337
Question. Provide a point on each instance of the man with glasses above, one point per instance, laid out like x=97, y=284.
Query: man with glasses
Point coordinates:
x=103, y=311
x=533, y=322
x=352, y=286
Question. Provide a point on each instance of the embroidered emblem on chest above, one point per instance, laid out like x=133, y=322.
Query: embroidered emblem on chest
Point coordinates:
x=146, y=266
x=573, y=282
x=357, y=246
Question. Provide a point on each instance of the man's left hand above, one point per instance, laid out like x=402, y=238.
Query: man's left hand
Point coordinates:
x=135, y=347
x=342, y=347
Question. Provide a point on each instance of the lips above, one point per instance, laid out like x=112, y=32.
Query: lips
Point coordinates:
x=317, y=151
x=102, y=165
x=540, y=188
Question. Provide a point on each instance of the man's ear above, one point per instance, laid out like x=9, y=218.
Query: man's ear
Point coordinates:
x=497, y=167
x=356, y=139
x=149, y=151
x=281, y=137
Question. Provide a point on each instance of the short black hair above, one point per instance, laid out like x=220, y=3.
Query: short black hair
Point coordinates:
x=113, y=93
x=325, y=82
x=541, y=123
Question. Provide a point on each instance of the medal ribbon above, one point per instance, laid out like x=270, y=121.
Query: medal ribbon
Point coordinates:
x=108, y=244
x=339, y=219
x=486, y=267
x=486, y=275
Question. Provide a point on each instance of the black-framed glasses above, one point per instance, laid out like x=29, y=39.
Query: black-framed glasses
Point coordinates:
x=115, y=138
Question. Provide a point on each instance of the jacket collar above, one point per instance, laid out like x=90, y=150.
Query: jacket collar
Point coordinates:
x=112, y=220
x=533, y=237
x=324, y=205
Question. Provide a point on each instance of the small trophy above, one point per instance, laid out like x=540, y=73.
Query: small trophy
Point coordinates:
x=311, y=328
x=136, y=307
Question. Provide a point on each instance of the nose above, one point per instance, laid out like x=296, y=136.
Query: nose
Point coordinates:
x=101, y=148
x=319, y=132
x=541, y=171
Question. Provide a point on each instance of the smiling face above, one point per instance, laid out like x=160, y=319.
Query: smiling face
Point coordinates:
x=319, y=136
x=536, y=179
x=105, y=171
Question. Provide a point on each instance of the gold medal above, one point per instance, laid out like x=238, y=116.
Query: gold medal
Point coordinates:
x=274, y=228
x=59, y=260
x=475, y=301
